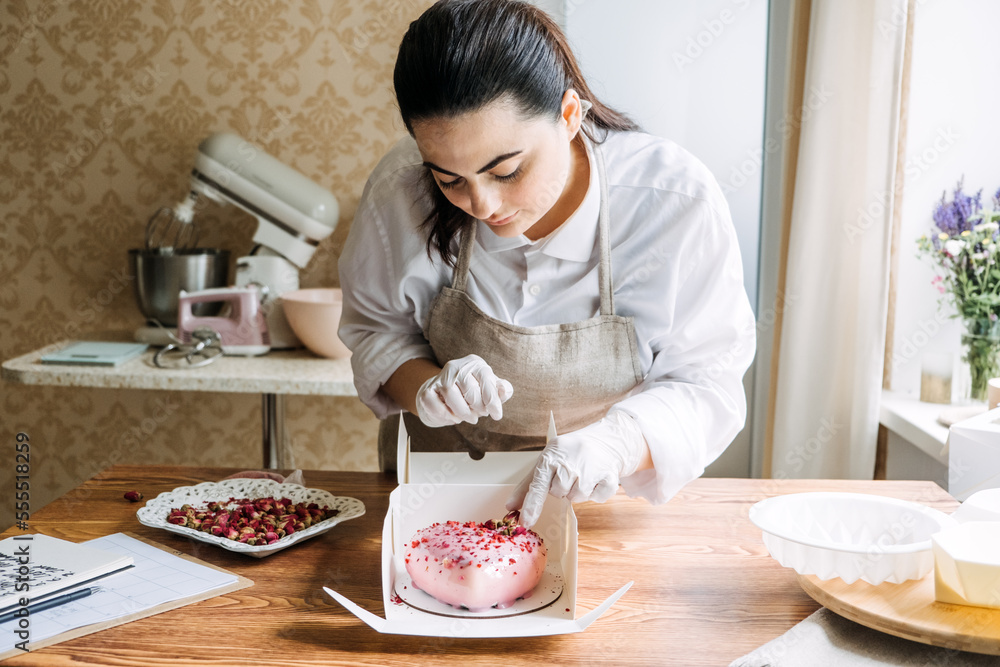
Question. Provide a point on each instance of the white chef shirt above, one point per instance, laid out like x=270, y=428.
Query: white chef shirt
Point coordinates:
x=676, y=270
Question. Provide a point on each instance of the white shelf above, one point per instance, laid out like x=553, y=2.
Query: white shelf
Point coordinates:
x=916, y=422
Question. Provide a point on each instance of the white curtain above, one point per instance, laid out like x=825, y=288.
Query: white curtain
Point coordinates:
x=829, y=372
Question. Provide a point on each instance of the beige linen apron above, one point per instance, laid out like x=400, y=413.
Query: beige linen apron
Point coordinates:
x=577, y=370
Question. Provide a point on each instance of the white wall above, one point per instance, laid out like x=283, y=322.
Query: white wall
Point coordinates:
x=954, y=129
x=555, y=8
x=692, y=72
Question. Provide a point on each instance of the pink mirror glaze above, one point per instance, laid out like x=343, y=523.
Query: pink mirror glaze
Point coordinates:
x=473, y=566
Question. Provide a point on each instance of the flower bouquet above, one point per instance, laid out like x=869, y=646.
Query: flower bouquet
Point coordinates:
x=965, y=249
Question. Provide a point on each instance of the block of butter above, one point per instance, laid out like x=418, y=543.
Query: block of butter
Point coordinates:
x=967, y=564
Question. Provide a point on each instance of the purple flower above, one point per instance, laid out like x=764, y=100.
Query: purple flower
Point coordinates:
x=952, y=217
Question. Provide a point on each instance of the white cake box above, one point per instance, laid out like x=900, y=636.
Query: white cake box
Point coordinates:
x=974, y=455
x=438, y=487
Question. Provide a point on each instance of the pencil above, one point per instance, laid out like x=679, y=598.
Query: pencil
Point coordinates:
x=52, y=602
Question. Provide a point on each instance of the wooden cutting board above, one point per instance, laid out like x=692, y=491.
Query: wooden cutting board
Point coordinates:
x=909, y=610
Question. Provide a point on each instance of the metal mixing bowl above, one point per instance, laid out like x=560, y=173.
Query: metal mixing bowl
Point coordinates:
x=160, y=276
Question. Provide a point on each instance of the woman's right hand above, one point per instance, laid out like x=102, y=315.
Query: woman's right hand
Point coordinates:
x=465, y=390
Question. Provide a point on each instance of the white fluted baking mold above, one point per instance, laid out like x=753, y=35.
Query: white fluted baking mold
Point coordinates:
x=850, y=535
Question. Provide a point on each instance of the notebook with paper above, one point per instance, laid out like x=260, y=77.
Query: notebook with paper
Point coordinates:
x=35, y=567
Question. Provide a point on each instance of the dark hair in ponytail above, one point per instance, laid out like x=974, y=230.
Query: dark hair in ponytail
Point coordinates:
x=461, y=55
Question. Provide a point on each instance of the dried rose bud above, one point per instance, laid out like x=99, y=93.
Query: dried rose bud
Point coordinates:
x=133, y=496
x=251, y=521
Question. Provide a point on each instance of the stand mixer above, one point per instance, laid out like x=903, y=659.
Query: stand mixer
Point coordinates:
x=293, y=215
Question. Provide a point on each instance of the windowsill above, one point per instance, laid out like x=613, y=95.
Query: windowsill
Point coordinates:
x=916, y=422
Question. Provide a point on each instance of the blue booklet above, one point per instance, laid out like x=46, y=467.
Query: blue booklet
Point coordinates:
x=91, y=353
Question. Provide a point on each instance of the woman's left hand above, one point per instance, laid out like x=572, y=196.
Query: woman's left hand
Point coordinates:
x=465, y=390
x=582, y=465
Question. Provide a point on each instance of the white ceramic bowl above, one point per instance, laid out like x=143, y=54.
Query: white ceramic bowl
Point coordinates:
x=314, y=315
x=850, y=535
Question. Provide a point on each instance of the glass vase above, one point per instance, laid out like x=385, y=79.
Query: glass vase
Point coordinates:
x=981, y=341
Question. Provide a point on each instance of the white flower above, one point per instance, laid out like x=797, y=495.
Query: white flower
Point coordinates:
x=986, y=227
x=954, y=247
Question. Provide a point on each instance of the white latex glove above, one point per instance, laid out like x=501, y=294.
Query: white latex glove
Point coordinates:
x=582, y=465
x=465, y=390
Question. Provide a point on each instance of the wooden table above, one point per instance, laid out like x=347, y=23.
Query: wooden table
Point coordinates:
x=274, y=375
x=706, y=591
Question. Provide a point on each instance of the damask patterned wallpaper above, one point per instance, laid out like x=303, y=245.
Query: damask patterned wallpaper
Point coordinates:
x=102, y=105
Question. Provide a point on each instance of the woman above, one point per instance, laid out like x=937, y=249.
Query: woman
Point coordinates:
x=526, y=252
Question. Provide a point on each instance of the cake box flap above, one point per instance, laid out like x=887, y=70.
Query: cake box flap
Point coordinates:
x=517, y=626
x=493, y=468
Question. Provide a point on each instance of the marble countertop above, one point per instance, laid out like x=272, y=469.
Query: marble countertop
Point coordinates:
x=278, y=372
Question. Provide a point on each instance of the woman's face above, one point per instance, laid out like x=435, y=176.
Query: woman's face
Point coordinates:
x=518, y=175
